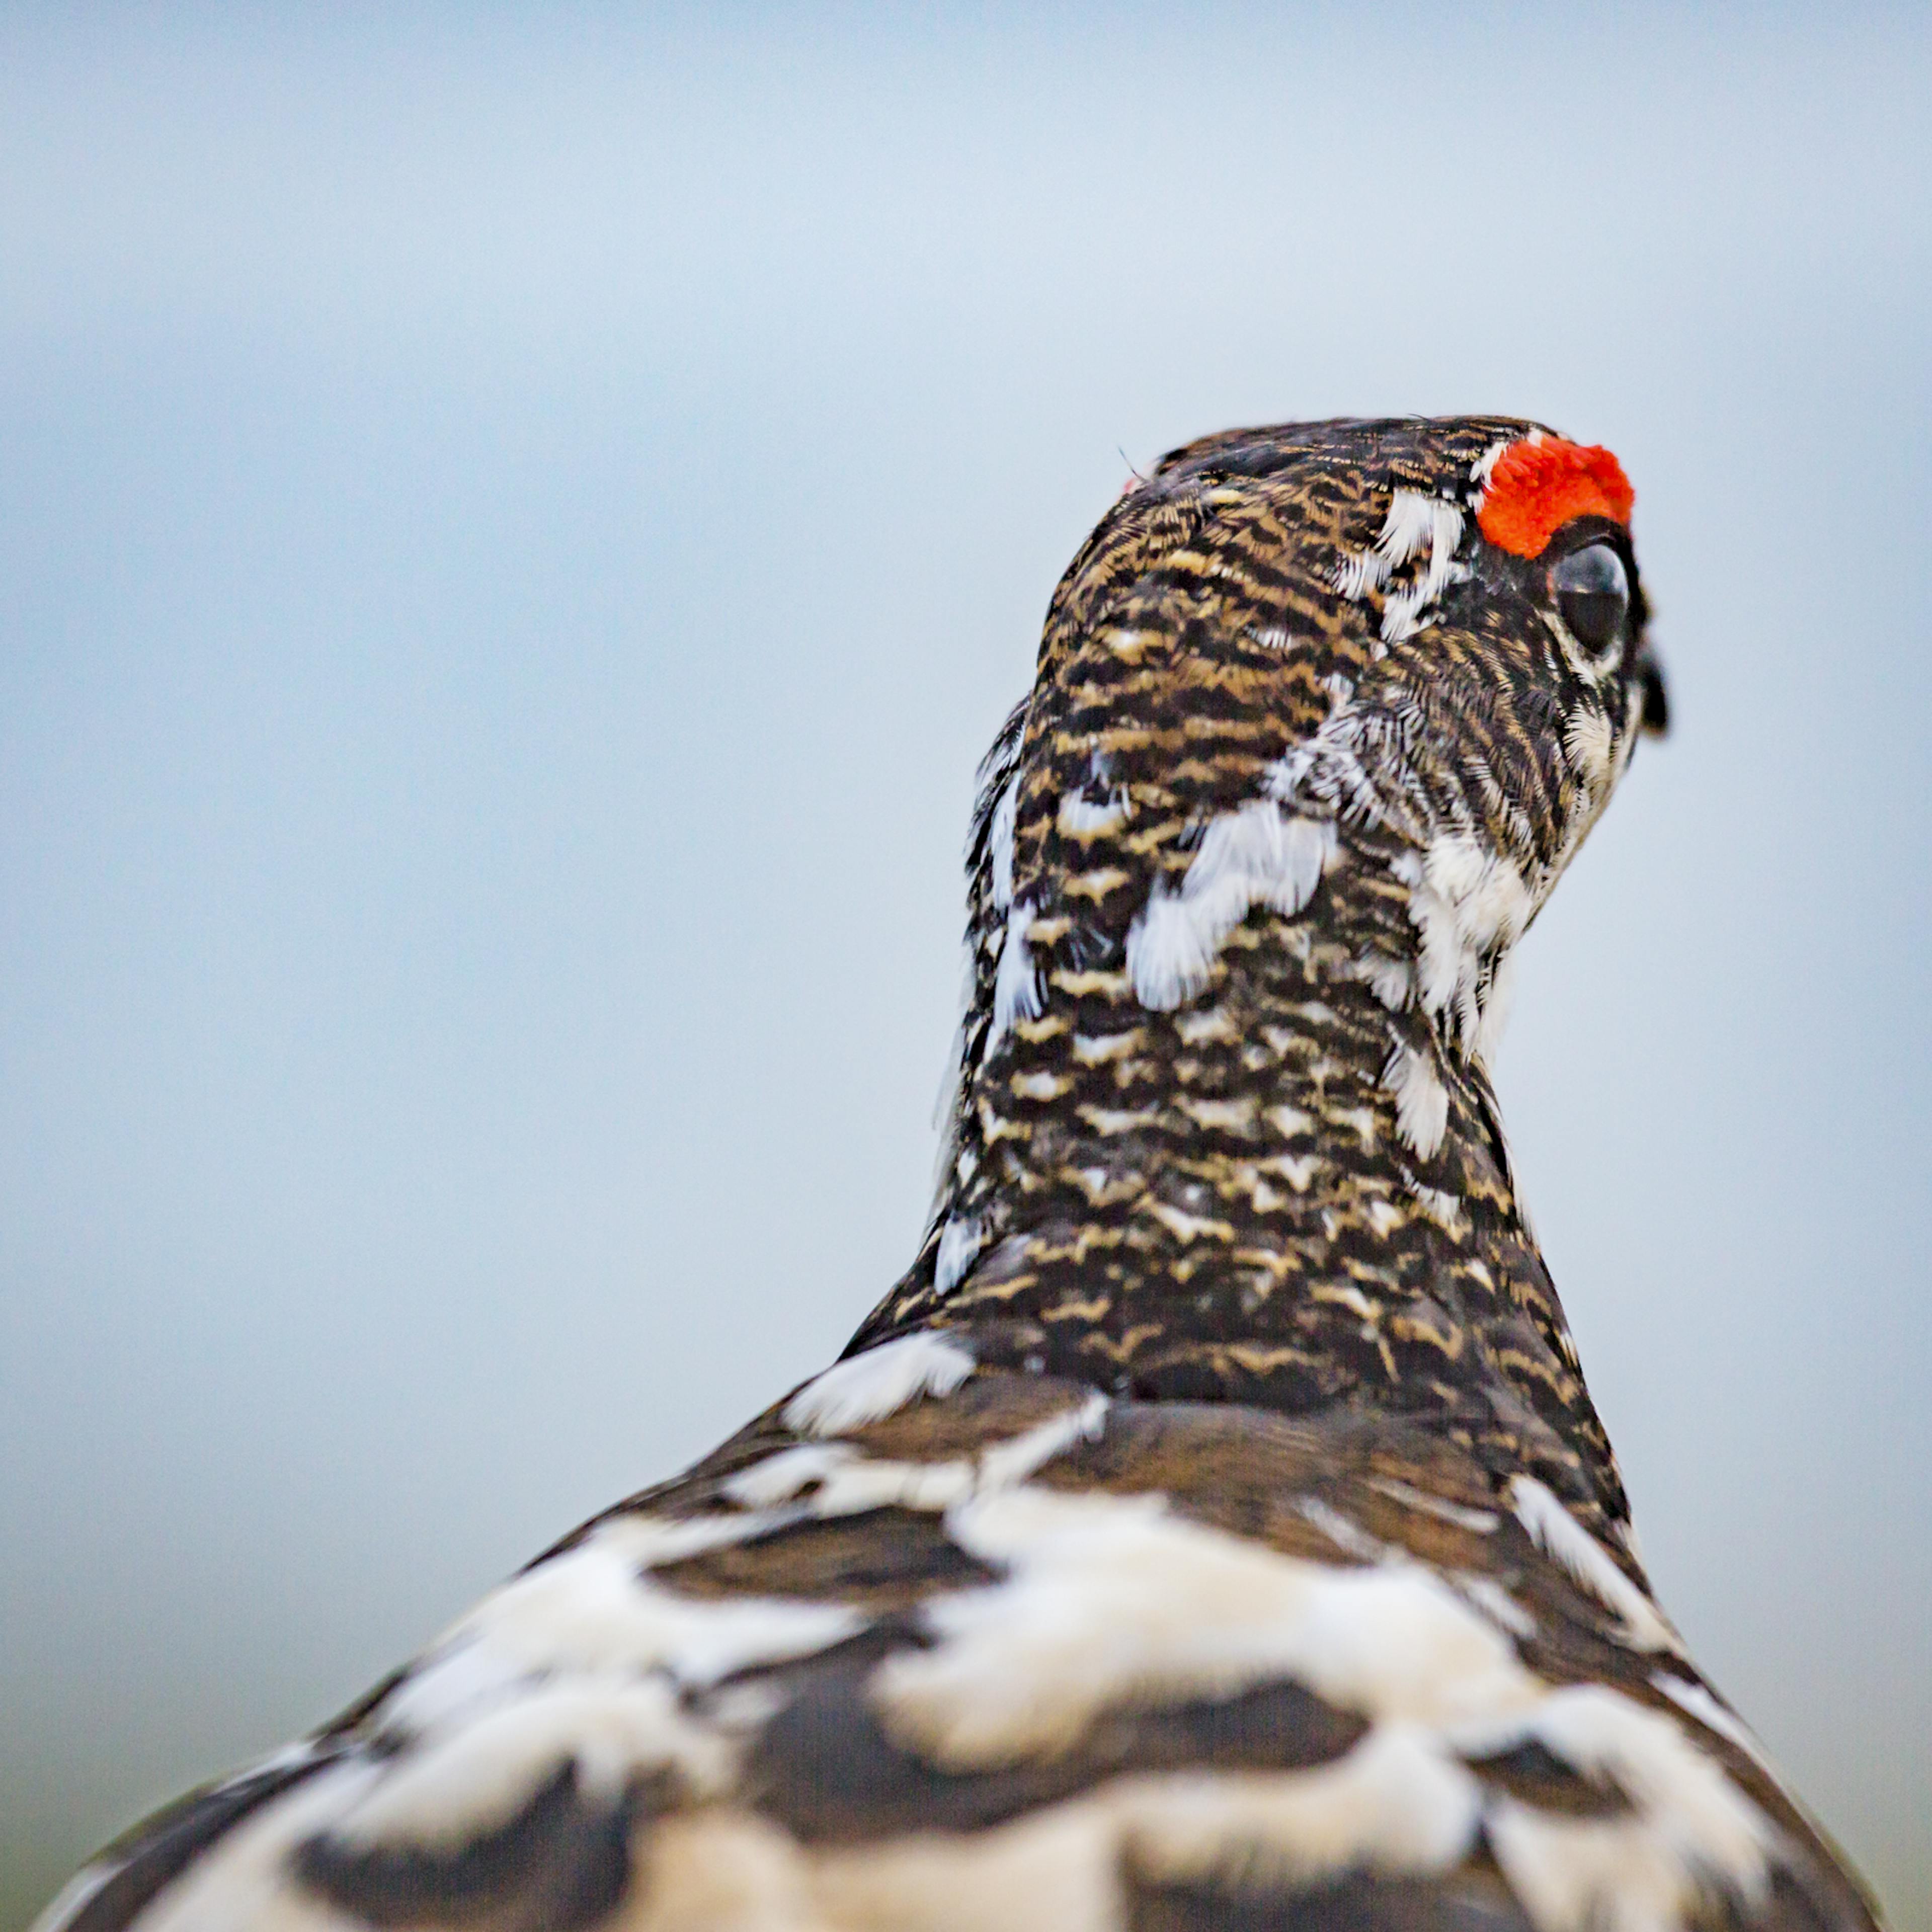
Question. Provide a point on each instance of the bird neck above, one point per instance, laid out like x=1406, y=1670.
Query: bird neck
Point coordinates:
x=1291, y=1190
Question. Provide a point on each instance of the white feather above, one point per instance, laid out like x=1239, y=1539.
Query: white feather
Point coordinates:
x=1005, y=816
x=1016, y=989
x=1421, y=1100
x=594, y=1609
x=869, y=1387
x=960, y=1241
x=1555, y=1532
x=1257, y=856
x=1110, y=1598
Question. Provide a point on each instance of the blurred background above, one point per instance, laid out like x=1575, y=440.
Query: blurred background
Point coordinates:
x=515, y=526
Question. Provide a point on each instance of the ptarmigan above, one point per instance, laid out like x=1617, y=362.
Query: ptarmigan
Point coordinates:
x=1212, y=1529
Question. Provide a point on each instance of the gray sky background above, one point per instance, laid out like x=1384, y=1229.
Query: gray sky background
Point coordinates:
x=515, y=525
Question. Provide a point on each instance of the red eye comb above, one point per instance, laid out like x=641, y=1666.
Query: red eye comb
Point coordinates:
x=1537, y=487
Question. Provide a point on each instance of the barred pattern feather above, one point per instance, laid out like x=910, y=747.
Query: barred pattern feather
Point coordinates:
x=1212, y=1528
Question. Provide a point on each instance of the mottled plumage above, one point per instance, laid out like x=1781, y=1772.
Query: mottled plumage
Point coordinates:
x=1212, y=1528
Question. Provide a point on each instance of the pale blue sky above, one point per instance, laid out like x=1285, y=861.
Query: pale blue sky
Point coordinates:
x=515, y=525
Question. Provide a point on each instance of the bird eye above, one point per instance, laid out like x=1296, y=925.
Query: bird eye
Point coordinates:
x=1593, y=593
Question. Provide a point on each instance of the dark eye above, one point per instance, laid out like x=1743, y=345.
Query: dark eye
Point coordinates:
x=1593, y=593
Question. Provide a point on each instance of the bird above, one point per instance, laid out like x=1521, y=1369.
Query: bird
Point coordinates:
x=1212, y=1530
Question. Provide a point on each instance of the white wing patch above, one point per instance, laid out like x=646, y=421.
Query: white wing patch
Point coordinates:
x=246, y=1888
x=594, y=1609
x=1388, y=1803
x=843, y=1481
x=476, y=1778
x=1396, y=1803
x=1690, y=1825
x=1558, y=1533
x=1103, y=1602
x=1188, y=1611
x=870, y=1386
x=1698, y=1702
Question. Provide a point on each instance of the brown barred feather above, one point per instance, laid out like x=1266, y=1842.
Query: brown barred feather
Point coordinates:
x=1212, y=1530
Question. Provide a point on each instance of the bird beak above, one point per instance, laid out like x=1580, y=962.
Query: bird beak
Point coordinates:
x=1656, y=720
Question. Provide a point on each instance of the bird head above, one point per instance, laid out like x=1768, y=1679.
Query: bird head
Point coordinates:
x=1406, y=657
x=1321, y=714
